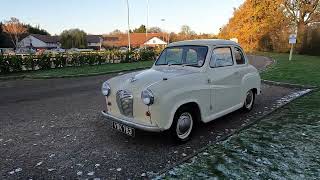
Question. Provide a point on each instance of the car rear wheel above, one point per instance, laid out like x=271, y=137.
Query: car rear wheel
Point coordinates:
x=249, y=101
x=183, y=124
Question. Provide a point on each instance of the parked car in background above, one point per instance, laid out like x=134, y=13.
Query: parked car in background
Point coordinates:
x=25, y=51
x=139, y=49
x=123, y=49
x=59, y=50
x=191, y=81
x=7, y=51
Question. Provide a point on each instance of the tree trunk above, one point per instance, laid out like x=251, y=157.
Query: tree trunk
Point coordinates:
x=17, y=42
x=301, y=36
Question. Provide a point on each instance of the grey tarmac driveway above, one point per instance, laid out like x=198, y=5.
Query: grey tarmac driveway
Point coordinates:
x=53, y=129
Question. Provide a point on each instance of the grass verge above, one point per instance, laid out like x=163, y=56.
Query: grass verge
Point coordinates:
x=79, y=71
x=301, y=69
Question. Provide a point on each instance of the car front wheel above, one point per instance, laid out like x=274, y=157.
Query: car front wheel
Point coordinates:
x=183, y=124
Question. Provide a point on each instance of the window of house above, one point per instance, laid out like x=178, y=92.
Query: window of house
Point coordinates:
x=221, y=57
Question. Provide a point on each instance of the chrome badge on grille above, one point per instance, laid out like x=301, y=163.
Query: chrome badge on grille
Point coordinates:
x=125, y=102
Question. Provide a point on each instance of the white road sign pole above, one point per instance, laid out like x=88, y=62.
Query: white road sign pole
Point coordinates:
x=291, y=51
x=292, y=41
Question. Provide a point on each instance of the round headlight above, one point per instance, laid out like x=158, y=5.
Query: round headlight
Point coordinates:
x=105, y=89
x=147, y=97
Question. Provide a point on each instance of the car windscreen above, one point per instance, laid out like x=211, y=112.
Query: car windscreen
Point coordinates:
x=183, y=55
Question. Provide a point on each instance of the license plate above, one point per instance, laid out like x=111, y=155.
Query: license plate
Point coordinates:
x=123, y=128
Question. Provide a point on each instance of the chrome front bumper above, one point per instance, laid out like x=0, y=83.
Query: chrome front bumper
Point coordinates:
x=130, y=123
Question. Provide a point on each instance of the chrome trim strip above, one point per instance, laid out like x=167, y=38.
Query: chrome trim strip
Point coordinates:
x=131, y=124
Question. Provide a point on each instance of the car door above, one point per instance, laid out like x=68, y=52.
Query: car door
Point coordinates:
x=241, y=67
x=224, y=81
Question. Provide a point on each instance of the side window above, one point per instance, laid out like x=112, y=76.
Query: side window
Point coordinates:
x=239, y=56
x=221, y=57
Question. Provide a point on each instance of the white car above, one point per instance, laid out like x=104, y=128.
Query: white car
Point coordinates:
x=197, y=80
x=123, y=49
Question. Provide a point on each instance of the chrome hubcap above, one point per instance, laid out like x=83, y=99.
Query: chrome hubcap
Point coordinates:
x=249, y=100
x=184, y=125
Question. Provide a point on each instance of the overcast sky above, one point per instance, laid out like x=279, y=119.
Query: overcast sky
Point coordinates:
x=103, y=16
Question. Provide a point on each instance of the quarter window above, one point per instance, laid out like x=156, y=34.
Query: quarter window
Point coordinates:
x=221, y=57
x=239, y=56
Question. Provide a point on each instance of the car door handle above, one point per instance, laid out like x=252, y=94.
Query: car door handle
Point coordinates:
x=209, y=81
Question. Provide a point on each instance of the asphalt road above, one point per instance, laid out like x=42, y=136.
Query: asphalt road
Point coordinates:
x=53, y=129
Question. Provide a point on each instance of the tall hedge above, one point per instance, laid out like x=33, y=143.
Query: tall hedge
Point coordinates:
x=18, y=63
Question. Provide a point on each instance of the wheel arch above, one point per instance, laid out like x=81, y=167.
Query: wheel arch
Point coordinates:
x=193, y=105
x=251, y=81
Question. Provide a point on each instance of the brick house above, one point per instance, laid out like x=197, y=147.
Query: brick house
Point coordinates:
x=136, y=40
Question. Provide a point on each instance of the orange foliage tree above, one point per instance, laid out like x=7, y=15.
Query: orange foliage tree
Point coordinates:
x=258, y=25
x=15, y=29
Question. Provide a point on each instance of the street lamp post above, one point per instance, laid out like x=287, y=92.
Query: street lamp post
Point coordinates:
x=163, y=35
x=147, y=25
x=129, y=43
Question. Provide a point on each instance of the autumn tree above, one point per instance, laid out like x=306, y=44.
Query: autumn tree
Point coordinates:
x=302, y=13
x=258, y=25
x=15, y=29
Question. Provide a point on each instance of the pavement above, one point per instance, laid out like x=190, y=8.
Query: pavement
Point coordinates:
x=53, y=129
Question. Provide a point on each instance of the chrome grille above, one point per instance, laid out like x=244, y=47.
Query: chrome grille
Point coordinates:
x=125, y=102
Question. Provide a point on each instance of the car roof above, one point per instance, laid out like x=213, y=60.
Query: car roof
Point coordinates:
x=204, y=42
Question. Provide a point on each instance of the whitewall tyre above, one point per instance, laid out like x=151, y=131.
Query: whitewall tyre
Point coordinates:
x=183, y=125
x=249, y=101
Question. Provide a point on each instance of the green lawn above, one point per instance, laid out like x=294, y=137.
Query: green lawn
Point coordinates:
x=301, y=69
x=284, y=144
x=81, y=71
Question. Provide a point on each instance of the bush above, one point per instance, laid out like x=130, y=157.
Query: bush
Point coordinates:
x=92, y=59
x=44, y=61
x=60, y=61
x=82, y=60
x=15, y=63
x=127, y=57
x=147, y=55
x=74, y=60
x=4, y=65
x=99, y=59
x=30, y=62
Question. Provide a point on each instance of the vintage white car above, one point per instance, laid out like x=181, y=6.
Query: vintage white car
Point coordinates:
x=197, y=80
